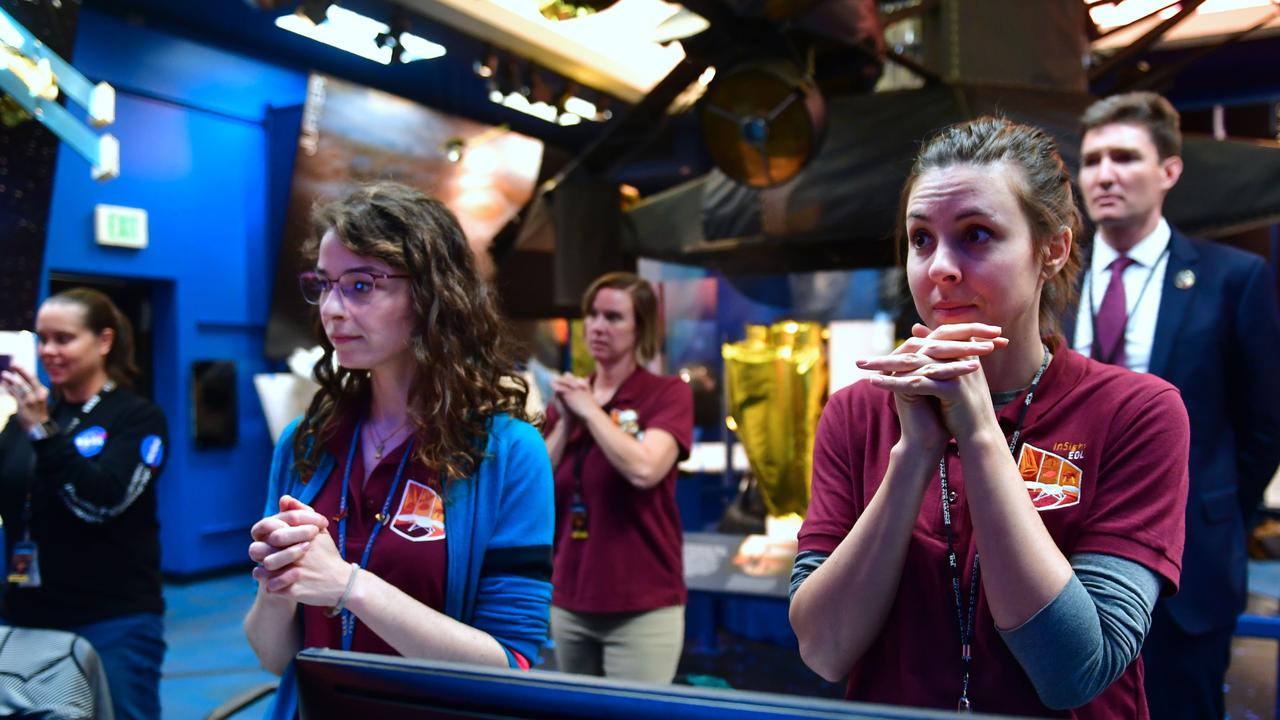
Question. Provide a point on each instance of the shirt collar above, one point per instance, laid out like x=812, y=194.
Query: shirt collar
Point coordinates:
x=1146, y=253
x=630, y=389
x=1057, y=378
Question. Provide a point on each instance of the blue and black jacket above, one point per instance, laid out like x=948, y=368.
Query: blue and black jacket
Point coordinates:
x=499, y=579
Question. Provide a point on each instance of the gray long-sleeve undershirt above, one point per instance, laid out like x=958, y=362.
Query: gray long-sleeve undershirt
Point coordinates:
x=1107, y=605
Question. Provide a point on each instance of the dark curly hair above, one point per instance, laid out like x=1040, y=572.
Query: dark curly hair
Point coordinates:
x=465, y=367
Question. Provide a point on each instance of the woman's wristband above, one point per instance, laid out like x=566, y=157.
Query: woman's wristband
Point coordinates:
x=346, y=593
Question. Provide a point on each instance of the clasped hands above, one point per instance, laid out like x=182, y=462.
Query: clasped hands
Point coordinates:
x=937, y=380
x=573, y=394
x=296, y=556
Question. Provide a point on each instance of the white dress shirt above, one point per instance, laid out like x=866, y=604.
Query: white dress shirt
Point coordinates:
x=1143, y=286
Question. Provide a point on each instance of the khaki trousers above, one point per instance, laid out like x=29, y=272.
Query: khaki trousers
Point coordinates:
x=630, y=646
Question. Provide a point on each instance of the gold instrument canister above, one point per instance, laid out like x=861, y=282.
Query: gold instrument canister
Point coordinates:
x=777, y=384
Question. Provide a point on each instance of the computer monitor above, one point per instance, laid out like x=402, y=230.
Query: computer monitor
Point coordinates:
x=336, y=684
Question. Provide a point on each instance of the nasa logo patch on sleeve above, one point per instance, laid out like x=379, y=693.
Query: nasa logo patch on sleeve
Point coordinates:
x=152, y=451
x=90, y=441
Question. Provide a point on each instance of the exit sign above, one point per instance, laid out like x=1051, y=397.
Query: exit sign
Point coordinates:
x=120, y=226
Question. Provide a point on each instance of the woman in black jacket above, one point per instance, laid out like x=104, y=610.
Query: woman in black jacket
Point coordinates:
x=78, y=466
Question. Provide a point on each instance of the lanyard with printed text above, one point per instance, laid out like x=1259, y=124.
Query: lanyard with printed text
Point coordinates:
x=81, y=414
x=24, y=563
x=348, y=619
x=965, y=620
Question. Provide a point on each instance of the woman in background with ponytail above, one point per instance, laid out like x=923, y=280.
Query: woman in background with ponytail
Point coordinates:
x=78, y=467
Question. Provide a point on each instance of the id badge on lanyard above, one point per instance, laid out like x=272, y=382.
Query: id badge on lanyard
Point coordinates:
x=578, y=507
x=24, y=565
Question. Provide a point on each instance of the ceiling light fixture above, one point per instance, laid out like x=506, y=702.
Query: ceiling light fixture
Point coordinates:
x=361, y=35
x=453, y=149
x=683, y=23
x=567, y=111
x=489, y=66
x=571, y=9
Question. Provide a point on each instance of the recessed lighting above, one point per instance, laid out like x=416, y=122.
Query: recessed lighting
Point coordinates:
x=361, y=35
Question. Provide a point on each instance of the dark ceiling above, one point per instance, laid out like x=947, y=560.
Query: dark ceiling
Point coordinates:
x=1241, y=73
x=449, y=84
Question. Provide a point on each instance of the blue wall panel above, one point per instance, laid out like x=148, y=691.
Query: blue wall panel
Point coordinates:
x=196, y=154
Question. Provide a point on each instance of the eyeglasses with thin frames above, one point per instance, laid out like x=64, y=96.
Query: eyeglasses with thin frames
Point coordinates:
x=357, y=286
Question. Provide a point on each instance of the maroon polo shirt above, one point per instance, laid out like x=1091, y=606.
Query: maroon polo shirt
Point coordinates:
x=632, y=559
x=409, y=551
x=1105, y=462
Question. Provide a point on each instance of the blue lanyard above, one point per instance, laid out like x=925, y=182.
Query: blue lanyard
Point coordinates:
x=348, y=619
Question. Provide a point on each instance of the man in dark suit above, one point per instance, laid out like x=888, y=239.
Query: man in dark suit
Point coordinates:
x=1204, y=317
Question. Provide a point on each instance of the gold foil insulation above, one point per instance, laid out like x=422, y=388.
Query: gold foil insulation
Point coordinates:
x=777, y=382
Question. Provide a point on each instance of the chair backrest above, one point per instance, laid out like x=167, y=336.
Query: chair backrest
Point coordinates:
x=51, y=673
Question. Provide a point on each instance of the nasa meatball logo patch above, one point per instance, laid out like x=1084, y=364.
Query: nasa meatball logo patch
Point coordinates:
x=152, y=451
x=1052, y=481
x=90, y=441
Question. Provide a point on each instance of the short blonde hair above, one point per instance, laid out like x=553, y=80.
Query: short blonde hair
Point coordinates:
x=644, y=301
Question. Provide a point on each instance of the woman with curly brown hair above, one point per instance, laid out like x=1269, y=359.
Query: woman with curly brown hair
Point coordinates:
x=410, y=509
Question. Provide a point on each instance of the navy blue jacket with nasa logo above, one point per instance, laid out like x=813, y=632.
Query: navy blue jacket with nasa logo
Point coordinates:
x=93, y=512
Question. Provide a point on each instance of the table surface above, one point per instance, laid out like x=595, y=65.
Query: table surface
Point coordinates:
x=709, y=567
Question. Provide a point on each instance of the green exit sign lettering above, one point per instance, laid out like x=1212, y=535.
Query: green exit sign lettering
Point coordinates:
x=120, y=226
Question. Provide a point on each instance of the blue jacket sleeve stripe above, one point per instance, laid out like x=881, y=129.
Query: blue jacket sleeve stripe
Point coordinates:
x=531, y=561
x=515, y=612
x=513, y=599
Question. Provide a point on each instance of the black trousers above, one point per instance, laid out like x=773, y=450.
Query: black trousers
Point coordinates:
x=1184, y=673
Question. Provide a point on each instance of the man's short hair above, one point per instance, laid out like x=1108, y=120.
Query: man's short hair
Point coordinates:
x=1146, y=109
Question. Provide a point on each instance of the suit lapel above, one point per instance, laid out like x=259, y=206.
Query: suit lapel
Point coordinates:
x=1175, y=302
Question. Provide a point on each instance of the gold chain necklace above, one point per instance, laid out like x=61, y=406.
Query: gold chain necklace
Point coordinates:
x=380, y=443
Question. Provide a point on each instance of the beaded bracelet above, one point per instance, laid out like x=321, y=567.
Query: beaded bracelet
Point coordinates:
x=346, y=593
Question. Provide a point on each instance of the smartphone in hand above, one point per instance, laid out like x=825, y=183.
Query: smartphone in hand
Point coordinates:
x=5, y=362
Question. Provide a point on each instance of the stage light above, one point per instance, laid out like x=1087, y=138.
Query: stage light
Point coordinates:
x=684, y=23
x=419, y=48
x=488, y=67
x=313, y=10
x=454, y=149
x=361, y=35
x=389, y=41
x=9, y=35
x=580, y=107
x=571, y=9
x=520, y=85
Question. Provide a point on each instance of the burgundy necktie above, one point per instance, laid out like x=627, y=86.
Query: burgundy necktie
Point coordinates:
x=1112, y=317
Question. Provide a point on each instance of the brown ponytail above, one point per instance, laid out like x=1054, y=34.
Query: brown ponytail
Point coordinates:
x=100, y=314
